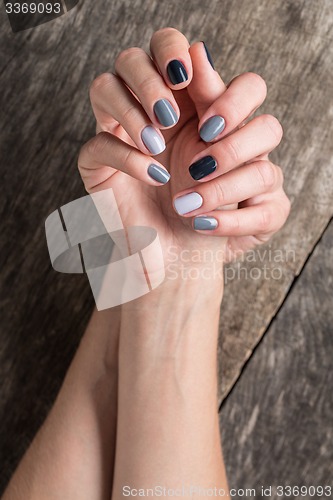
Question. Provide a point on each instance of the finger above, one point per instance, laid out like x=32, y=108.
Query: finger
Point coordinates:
x=139, y=72
x=169, y=49
x=260, y=136
x=242, y=98
x=233, y=187
x=206, y=85
x=258, y=220
x=104, y=155
x=114, y=104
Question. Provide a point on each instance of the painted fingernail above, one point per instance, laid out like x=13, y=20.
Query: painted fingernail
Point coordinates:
x=187, y=203
x=205, y=223
x=176, y=72
x=152, y=140
x=212, y=128
x=209, y=57
x=202, y=167
x=165, y=113
x=158, y=173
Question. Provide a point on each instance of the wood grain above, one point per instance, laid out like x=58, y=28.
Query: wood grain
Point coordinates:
x=277, y=422
x=45, y=75
x=290, y=45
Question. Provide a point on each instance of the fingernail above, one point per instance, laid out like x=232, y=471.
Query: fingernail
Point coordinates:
x=176, y=72
x=202, y=167
x=212, y=128
x=165, y=113
x=158, y=173
x=152, y=140
x=205, y=223
x=187, y=203
x=209, y=57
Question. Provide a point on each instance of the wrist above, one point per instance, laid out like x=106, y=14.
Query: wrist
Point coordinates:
x=175, y=325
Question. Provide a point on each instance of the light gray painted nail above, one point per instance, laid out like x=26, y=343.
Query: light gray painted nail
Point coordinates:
x=205, y=223
x=165, y=113
x=212, y=128
x=158, y=173
x=187, y=203
x=152, y=140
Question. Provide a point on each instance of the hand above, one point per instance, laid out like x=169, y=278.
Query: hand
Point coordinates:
x=140, y=144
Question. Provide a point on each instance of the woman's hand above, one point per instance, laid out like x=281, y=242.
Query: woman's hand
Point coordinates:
x=175, y=145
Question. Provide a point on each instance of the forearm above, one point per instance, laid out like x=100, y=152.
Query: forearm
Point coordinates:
x=167, y=416
x=71, y=457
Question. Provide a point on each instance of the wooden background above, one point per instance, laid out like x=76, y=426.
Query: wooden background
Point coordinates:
x=276, y=346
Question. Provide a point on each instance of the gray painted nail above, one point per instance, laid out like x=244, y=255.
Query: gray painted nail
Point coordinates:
x=212, y=128
x=205, y=223
x=152, y=140
x=165, y=113
x=158, y=173
x=187, y=203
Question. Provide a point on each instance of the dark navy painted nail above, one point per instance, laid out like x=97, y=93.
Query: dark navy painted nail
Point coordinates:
x=209, y=57
x=202, y=167
x=176, y=72
x=205, y=223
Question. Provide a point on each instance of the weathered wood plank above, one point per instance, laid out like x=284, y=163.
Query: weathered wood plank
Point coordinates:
x=277, y=424
x=290, y=45
x=44, y=76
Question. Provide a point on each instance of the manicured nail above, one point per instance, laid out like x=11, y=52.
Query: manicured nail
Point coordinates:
x=202, y=167
x=152, y=140
x=212, y=128
x=205, y=223
x=158, y=173
x=165, y=113
x=209, y=57
x=176, y=72
x=187, y=203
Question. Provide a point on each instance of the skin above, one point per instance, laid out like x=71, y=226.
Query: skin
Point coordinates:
x=138, y=405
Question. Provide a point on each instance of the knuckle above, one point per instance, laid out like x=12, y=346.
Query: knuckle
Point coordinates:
x=232, y=149
x=267, y=174
x=266, y=220
x=80, y=157
x=150, y=83
x=127, y=55
x=129, y=159
x=279, y=174
x=286, y=207
x=102, y=81
x=97, y=144
x=130, y=115
x=219, y=194
x=274, y=125
x=232, y=223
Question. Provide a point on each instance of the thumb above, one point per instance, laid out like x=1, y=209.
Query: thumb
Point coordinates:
x=206, y=85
